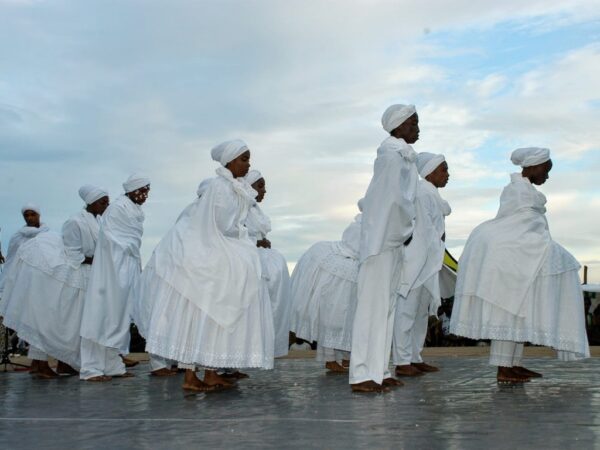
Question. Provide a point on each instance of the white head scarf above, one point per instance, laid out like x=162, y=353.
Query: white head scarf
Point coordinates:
x=135, y=182
x=227, y=151
x=31, y=207
x=530, y=156
x=90, y=193
x=203, y=186
x=395, y=116
x=253, y=176
x=428, y=162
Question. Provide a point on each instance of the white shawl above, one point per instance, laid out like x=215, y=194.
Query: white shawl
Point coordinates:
x=388, y=206
x=207, y=256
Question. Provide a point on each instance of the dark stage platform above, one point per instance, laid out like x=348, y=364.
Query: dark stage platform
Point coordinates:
x=298, y=406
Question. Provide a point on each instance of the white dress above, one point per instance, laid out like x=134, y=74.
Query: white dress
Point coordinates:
x=116, y=267
x=200, y=299
x=277, y=277
x=20, y=237
x=46, y=288
x=516, y=284
x=324, y=291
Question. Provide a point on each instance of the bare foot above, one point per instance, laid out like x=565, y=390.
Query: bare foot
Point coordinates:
x=34, y=367
x=424, y=367
x=408, y=370
x=164, y=372
x=346, y=363
x=237, y=375
x=528, y=373
x=335, y=367
x=506, y=375
x=44, y=371
x=129, y=362
x=62, y=368
x=124, y=375
x=392, y=383
x=368, y=386
x=212, y=378
x=99, y=378
x=192, y=383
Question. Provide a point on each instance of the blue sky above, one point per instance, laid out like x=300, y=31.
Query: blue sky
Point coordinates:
x=90, y=91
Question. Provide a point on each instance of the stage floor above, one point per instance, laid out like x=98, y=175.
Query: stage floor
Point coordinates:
x=298, y=406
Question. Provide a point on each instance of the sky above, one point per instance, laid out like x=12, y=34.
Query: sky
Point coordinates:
x=91, y=91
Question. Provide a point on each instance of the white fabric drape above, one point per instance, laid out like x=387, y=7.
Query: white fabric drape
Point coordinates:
x=277, y=277
x=201, y=299
x=515, y=283
x=116, y=267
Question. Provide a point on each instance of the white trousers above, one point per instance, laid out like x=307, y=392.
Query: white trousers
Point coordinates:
x=410, y=326
x=158, y=362
x=35, y=353
x=506, y=353
x=374, y=320
x=330, y=354
x=97, y=360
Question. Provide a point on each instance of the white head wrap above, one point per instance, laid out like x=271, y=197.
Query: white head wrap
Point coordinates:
x=203, y=186
x=428, y=162
x=530, y=156
x=30, y=207
x=135, y=182
x=395, y=116
x=90, y=193
x=253, y=176
x=227, y=151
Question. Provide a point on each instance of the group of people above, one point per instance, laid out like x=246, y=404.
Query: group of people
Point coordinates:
x=215, y=296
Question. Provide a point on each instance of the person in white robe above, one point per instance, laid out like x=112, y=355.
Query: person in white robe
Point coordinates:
x=46, y=288
x=324, y=296
x=31, y=214
x=424, y=256
x=274, y=266
x=515, y=283
x=387, y=226
x=201, y=300
x=33, y=226
x=116, y=267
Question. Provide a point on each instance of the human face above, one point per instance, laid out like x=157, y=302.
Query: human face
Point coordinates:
x=409, y=130
x=240, y=166
x=538, y=174
x=261, y=187
x=440, y=176
x=32, y=219
x=139, y=196
x=99, y=206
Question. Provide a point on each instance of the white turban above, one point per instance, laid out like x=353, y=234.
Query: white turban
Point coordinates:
x=428, y=162
x=203, y=186
x=227, y=151
x=530, y=156
x=135, y=182
x=395, y=116
x=90, y=193
x=30, y=207
x=253, y=176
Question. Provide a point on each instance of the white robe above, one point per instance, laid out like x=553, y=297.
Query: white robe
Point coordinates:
x=21, y=236
x=116, y=267
x=324, y=291
x=277, y=277
x=515, y=283
x=387, y=223
x=46, y=289
x=420, y=290
x=201, y=299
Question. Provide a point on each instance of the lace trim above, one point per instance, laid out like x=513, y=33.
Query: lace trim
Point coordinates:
x=194, y=355
x=535, y=337
x=345, y=268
